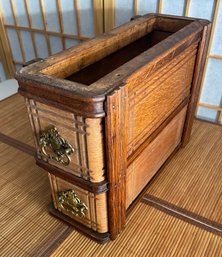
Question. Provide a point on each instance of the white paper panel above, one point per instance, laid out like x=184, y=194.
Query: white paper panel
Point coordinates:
x=71, y=42
x=2, y=73
x=21, y=13
x=207, y=114
x=35, y=13
x=51, y=15
x=212, y=91
x=41, y=45
x=201, y=9
x=86, y=18
x=7, y=12
x=13, y=39
x=150, y=6
x=56, y=44
x=28, y=46
x=177, y=8
x=217, y=39
x=68, y=15
x=124, y=11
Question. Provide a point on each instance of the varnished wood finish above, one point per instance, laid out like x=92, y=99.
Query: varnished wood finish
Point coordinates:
x=142, y=169
x=95, y=188
x=121, y=100
x=159, y=93
x=96, y=215
x=85, y=135
x=201, y=57
x=99, y=237
x=116, y=160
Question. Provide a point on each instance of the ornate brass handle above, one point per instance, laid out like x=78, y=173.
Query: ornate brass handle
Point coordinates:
x=70, y=202
x=54, y=147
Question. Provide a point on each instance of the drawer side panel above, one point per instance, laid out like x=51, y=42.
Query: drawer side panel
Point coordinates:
x=153, y=98
x=142, y=169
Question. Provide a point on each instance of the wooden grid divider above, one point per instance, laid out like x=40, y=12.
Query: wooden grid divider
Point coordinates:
x=30, y=26
x=58, y=4
x=109, y=15
x=98, y=7
x=77, y=15
x=42, y=7
x=135, y=3
x=18, y=31
x=213, y=56
x=53, y=33
x=215, y=17
x=160, y=6
x=5, y=50
x=187, y=8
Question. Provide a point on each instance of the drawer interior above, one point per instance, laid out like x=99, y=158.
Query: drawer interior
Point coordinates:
x=97, y=70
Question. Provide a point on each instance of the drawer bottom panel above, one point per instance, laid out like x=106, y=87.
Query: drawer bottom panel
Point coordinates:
x=145, y=166
x=83, y=206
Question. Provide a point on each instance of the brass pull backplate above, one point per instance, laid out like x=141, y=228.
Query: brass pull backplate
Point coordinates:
x=54, y=147
x=70, y=202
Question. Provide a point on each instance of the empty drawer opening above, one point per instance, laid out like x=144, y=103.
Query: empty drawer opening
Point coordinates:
x=99, y=69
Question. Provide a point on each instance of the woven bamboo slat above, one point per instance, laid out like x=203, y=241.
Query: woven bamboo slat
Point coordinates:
x=14, y=119
x=149, y=232
x=27, y=229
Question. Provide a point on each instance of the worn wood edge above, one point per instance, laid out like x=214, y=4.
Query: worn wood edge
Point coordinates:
x=183, y=214
x=136, y=154
x=84, y=90
x=139, y=197
x=17, y=144
x=154, y=58
x=101, y=238
x=96, y=188
x=52, y=61
x=66, y=103
x=196, y=84
x=116, y=160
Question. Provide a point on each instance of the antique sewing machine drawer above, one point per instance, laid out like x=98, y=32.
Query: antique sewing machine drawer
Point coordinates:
x=107, y=114
x=86, y=207
x=81, y=140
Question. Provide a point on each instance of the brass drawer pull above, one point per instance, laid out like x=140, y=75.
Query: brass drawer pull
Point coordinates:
x=54, y=147
x=70, y=202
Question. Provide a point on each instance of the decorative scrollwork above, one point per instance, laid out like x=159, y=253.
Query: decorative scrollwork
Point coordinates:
x=54, y=147
x=70, y=202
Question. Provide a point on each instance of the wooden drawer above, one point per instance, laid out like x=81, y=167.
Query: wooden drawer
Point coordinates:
x=145, y=166
x=85, y=135
x=90, y=209
x=106, y=114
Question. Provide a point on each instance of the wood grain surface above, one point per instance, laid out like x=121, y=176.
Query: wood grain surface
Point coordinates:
x=142, y=169
x=96, y=215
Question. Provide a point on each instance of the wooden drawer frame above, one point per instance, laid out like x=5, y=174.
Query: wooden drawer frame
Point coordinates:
x=108, y=97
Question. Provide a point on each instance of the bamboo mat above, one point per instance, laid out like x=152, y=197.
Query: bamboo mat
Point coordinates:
x=26, y=228
x=149, y=232
x=193, y=178
x=14, y=120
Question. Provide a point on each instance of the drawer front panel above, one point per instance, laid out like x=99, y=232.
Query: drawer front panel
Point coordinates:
x=85, y=135
x=152, y=98
x=94, y=206
x=144, y=167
